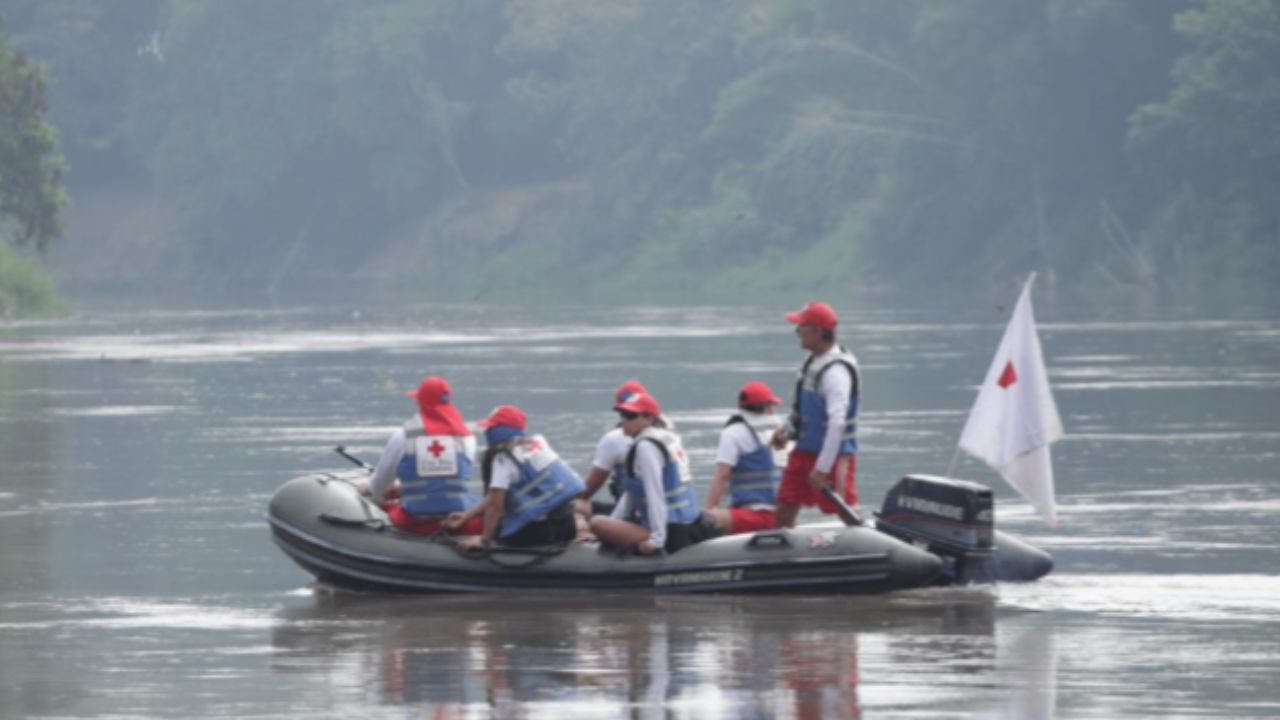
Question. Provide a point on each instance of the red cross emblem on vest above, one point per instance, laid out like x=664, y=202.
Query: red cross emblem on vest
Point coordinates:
x=534, y=446
x=435, y=448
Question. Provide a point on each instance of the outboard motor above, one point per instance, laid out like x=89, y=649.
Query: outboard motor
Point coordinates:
x=953, y=519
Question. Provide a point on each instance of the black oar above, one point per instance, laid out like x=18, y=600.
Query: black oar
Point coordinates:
x=342, y=450
x=846, y=513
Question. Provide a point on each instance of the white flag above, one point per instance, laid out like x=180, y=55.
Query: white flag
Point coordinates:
x=1014, y=418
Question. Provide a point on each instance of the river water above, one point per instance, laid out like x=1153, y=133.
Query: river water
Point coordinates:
x=137, y=577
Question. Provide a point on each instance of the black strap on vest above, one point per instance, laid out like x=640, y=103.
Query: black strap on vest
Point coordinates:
x=486, y=460
x=739, y=419
x=796, y=419
x=631, y=454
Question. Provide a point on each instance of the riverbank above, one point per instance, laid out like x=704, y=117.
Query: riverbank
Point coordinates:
x=26, y=290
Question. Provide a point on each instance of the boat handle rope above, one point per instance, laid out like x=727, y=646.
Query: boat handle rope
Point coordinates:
x=770, y=539
x=370, y=522
x=535, y=555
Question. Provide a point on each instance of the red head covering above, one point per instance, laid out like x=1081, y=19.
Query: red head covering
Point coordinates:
x=642, y=403
x=439, y=417
x=509, y=415
x=626, y=390
x=817, y=314
x=757, y=393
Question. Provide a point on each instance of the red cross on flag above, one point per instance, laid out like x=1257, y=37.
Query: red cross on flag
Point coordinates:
x=1014, y=419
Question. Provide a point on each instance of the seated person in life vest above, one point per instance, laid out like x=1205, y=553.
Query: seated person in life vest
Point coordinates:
x=529, y=490
x=431, y=456
x=745, y=464
x=656, y=489
x=610, y=456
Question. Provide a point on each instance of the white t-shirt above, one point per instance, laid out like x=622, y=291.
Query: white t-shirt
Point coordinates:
x=504, y=472
x=384, y=473
x=737, y=440
x=649, y=470
x=611, y=450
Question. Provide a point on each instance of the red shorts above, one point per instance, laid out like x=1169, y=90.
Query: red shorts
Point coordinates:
x=428, y=525
x=743, y=520
x=795, y=488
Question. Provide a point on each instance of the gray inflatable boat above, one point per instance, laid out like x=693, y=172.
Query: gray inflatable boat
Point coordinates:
x=324, y=525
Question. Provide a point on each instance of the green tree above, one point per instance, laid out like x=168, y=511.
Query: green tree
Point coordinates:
x=94, y=53
x=679, y=148
x=1211, y=151
x=31, y=168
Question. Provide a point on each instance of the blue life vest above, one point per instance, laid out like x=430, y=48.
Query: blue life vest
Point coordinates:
x=681, y=507
x=545, y=484
x=433, y=473
x=809, y=412
x=754, y=479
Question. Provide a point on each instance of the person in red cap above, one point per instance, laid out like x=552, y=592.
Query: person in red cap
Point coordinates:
x=529, y=490
x=431, y=456
x=745, y=464
x=611, y=452
x=823, y=419
x=656, y=490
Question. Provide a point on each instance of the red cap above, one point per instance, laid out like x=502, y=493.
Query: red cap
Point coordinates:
x=817, y=314
x=509, y=415
x=642, y=403
x=757, y=393
x=626, y=390
x=438, y=416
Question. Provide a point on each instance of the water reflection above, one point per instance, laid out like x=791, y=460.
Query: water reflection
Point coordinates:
x=668, y=656
x=29, y=445
x=137, y=580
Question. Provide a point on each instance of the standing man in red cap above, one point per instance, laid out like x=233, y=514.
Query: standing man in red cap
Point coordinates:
x=745, y=464
x=823, y=419
x=431, y=456
x=529, y=490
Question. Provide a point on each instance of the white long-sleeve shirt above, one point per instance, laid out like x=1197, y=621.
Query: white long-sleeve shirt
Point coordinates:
x=836, y=386
x=649, y=471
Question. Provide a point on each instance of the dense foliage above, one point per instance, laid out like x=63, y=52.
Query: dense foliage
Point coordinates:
x=674, y=148
x=31, y=192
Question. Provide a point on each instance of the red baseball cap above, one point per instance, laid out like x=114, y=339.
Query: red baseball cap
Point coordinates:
x=817, y=314
x=626, y=390
x=509, y=415
x=757, y=393
x=438, y=415
x=642, y=403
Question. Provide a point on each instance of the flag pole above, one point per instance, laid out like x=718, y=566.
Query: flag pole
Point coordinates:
x=952, y=466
